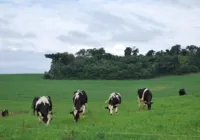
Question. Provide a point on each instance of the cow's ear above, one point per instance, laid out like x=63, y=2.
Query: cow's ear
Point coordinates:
x=106, y=107
x=71, y=112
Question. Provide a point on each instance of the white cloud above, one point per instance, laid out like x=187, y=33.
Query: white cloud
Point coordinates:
x=54, y=26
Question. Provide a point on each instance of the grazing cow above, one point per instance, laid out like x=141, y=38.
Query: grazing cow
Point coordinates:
x=114, y=101
x=79, y=100
x=43, y=108
x=4, y=113
x=145, y=96
x=182, y=92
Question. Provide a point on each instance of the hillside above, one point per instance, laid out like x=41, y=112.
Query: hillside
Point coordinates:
x=172, y=116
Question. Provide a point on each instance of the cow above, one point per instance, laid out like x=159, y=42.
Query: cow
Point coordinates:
x=182, y=92
x=4, y=113
x=145, y=97
x=80, y=99
x=113, y=102
x=43, y=107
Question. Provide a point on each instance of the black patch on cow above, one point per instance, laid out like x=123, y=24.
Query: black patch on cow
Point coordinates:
x=35, y=99
x=182, y=92
x=147, y=97
x=4, y=113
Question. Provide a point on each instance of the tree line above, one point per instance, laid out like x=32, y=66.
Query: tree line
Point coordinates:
x=98, y=64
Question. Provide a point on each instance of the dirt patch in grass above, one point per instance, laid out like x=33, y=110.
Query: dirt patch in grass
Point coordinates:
x=17, y=113
x=159, y=88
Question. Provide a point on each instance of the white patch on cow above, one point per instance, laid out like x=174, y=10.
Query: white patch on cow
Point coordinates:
x=42, y=99
x=144, y=93
x=117, y=96
x=76, y=95
x=75, y=112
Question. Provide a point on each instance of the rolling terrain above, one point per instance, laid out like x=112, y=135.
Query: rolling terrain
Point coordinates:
x=172, y=116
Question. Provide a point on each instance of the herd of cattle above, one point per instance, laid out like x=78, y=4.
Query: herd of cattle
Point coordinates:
x=43, y=105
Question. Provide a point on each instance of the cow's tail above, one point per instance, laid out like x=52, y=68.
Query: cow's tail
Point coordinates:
x=106, y=101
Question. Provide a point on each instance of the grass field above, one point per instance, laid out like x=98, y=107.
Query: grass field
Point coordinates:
x=172, y=117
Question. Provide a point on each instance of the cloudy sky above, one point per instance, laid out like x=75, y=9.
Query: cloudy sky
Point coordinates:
x=31, y=28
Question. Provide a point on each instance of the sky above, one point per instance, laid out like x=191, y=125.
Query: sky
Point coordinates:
x=31, y=28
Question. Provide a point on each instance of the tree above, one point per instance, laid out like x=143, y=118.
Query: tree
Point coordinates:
x=150, y=53
x=81, y=53
x=192, y=48
x=98, y=64
x=176, y=49
x=127, y=51
x=135, y=51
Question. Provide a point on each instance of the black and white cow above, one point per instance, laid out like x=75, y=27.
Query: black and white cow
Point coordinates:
x=145, y=97
x=182, y=92
x=43, y=107
x=4, y=113
x=80, y=99
x=113, y=101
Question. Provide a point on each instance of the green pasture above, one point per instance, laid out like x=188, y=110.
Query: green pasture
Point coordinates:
x=172, y=117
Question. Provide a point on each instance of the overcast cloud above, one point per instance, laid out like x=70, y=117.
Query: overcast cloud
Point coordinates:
x=30, y=28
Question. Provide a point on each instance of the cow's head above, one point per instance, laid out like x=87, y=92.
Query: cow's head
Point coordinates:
x=76, y=114
x=47, y=117
x=149, y=105
x=110, y=109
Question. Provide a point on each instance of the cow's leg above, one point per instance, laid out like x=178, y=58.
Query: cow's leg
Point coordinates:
x=144, y=106
x=139, y=103
x=111, y=109
x=83, y=113
x=34, y=110
x=40, y=117
x=116, y=109
x=49, y=117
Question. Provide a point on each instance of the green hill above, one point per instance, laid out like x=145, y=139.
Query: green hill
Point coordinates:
x=172, y=116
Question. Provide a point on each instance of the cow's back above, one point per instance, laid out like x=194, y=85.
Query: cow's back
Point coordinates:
x=81, y=97
x=140, y=92
x=115, y=99
x=85, y=96
x=147, y=94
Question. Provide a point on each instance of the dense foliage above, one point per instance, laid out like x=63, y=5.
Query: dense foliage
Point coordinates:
x=97, y=64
